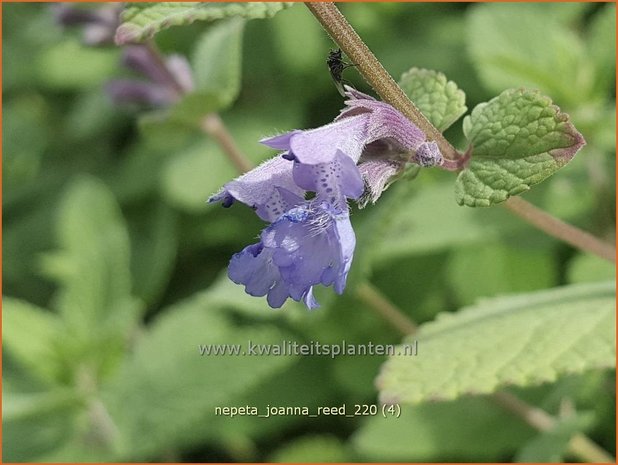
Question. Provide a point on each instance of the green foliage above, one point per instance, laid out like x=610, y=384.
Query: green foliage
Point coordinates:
x=141, y=21
x=189, y=385
x=424, y=231
x=521, y=340
x=508, y=52
x=31, y=335
x=115, y=267
x=69, y=65
x=92, y=265
x=194, y=175
x=552, y=446
x=441, y=101
x=323, y=449
x=518, y=139
x=216, y=61
x=420, y=433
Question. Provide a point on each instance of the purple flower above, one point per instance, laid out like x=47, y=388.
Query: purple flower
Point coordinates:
x=99, y=24
x=311, y=242
x=163, y=83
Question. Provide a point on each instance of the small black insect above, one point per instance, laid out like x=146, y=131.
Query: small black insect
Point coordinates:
x=336, y=66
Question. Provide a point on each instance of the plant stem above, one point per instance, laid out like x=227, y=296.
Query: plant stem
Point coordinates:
x=374, y=73
x=214, y=127
x=561, y=230
x=579, y=445
x=385, y=308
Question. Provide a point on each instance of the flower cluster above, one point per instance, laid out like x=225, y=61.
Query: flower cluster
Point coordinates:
x=310, y=241
x=98, y=24
x=164, y=81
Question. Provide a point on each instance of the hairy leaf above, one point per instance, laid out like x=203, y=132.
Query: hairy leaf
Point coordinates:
x=518, y=139
x=141, y=21
x=518, y=340
x=440, y=100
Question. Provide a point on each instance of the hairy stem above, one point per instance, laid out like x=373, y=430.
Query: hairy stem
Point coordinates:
x=561, y=230
x=214, y=127
x=579, y=445
x=374, y=73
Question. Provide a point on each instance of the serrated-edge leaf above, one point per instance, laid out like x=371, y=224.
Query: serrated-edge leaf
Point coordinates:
x=519, y=138
x=439, y=99
x=141, y=21
x=522, y=340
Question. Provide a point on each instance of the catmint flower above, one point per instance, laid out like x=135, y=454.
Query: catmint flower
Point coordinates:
x=164, y=82
x=311, y=241
x=98, y=24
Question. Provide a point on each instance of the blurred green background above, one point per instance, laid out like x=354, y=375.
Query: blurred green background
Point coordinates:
x=115, y=265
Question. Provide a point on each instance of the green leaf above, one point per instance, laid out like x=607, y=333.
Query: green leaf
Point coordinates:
x=192, y=176
x=31, y=335
x=552, y=446
x=601, y=50
x=521, y=340
x=92, y=270
x=141, y=21
x=527, y=45
x=70, y=65
x=413, y=226
x=322, y=449
x=216, y=61
x=518, y=139
x=493, y=268
x=440, y=100
x=168, y=389
x=153, y=250
x=34, y=424
x=294, y=27
x=418, y=435
x=586, y=268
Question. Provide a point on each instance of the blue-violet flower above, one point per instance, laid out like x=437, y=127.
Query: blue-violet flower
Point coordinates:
x=311, y=241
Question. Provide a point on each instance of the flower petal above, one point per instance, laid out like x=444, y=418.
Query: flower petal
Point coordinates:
x=333, y=181
x=261, y=187
x=321, y=145
x=280, y=142
x=376, y=175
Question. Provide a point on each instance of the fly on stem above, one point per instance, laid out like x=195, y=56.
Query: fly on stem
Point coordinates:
x=336, y=66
